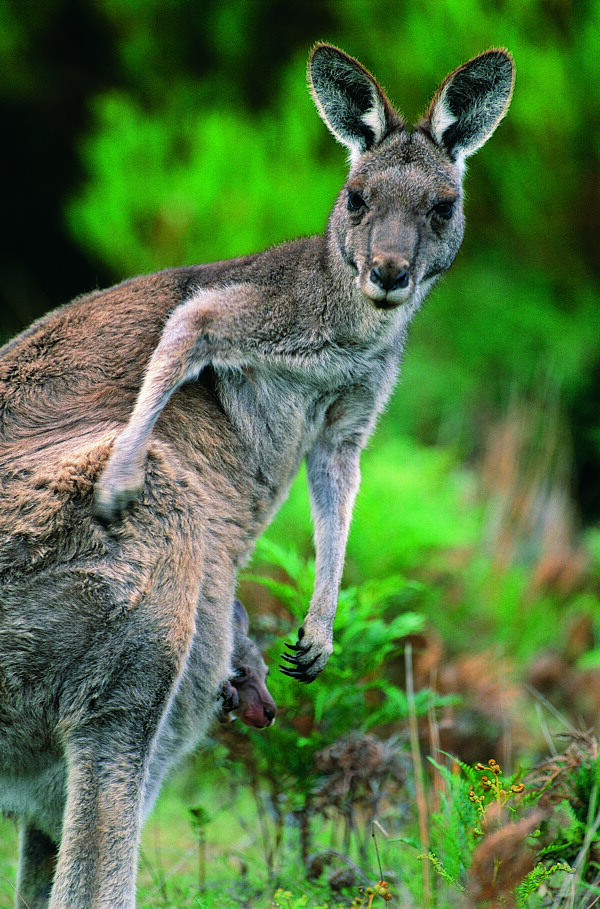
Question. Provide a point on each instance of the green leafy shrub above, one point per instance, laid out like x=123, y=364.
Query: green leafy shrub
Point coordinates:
x=173, y=178
x=216, y=184
x=353, y=695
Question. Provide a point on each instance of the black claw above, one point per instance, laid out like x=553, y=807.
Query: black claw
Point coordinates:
x=297, y=674
x=293, y=673
x=312, y=662
x=300, y=666
x=299, y=669
x=290, y=659
x=298, y=647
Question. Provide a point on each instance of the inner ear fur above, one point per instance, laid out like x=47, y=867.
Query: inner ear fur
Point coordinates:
x=471, y=102
x=349, y=100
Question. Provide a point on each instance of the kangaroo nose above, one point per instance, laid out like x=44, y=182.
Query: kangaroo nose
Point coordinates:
x=269, y=713
x=389, y=274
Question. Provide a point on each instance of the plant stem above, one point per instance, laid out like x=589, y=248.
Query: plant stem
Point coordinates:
x=419, y=776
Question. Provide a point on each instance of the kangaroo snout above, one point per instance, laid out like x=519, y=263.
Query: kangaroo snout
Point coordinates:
x=389, y=274
x=387, y=280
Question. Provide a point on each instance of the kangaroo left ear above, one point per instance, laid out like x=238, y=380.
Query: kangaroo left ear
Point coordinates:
x=470, y=103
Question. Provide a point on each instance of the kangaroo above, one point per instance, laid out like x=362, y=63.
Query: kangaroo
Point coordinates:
x=148, y=434
x=245, y=693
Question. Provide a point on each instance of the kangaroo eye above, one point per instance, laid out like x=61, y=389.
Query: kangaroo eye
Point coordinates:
x=239, y=674
x=444, y=209
x=355, y=201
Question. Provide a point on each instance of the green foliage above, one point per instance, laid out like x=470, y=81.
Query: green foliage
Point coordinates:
x=421, y=513
x=586, y=786
x=414, y=501
x=284, y=899
x=480, y=808
x=8, y=860
x=476, y=802
x=473, y=804
x=581, y=824
x=354, y=694
x=216, y=183
x=370, y=623
x=540, y=875
x=175, y=177
x=452, y=830
x=365, y=899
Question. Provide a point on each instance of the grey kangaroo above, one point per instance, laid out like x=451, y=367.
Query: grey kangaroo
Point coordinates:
x=149, y=432
x=244, y=695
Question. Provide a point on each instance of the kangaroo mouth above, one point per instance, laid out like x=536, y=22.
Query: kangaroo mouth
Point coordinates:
x=386, y=299
x=387, y=304
x=388, y=294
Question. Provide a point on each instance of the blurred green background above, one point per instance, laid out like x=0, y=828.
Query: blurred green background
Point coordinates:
x=140, y=134
x=143, y=134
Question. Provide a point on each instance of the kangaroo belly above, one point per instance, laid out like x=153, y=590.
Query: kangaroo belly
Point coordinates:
x=36, y=795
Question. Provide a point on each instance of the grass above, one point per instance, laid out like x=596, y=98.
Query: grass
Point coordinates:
x=472, y=829
x=234, y=871
x=8, y=861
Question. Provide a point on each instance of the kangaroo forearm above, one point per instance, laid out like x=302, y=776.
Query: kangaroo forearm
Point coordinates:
x=333, y=472
x=199, y=332
x=333, y=478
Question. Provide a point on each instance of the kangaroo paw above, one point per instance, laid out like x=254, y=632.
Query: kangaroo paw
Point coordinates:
x=307, y=659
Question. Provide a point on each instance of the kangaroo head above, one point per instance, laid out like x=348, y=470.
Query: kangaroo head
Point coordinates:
x=255, y=706
x=398, y=222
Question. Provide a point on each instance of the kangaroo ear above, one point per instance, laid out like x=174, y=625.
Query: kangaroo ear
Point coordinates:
x=240, y=617
x=349, y=100
x=470, y=103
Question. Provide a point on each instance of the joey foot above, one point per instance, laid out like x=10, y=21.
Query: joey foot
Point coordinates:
x=118, y=486
x=308, y=657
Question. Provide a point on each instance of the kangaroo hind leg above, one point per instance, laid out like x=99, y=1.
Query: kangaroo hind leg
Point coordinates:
x=37, y=861
x=108, y=754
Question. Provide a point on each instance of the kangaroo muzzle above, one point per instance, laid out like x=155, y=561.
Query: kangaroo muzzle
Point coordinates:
x=386, y=281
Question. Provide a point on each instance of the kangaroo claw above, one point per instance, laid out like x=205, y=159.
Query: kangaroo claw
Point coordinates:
x=298, y=674
x=297, y=647
x=302, y=666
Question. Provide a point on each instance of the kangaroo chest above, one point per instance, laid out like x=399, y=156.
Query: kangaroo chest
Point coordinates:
x=278, y=414
x=275, y=415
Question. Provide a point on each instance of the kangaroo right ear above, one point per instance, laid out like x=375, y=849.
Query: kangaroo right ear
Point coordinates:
x=240, y=617
x=470, y=103
x=349, y=100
